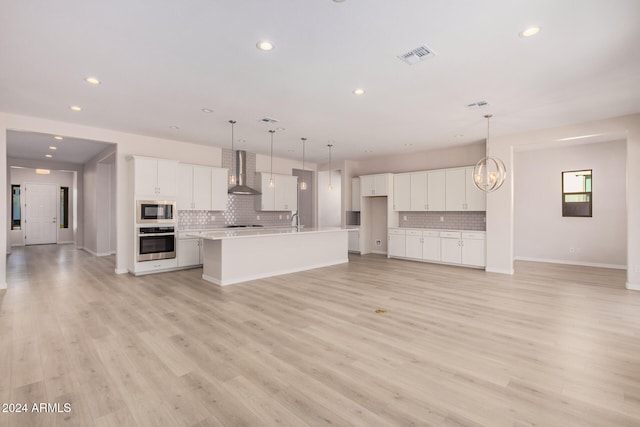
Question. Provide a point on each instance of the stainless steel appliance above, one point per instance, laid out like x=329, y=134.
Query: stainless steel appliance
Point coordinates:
x=155, y=211
x=154, y=243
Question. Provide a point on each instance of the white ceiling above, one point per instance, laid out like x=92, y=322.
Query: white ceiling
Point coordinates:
x=35, y=146
x=161, y=62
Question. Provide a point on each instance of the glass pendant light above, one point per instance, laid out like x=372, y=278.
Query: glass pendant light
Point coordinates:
x=232, y=178
x=271, y=183
x=303, y=184
x=330, y=186
x=489, y=173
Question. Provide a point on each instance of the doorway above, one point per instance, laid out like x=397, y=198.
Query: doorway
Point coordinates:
x=41, y=214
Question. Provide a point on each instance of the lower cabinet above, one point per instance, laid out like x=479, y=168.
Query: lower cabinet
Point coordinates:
x=451, y=247
x=354, y=241
x=189, y=252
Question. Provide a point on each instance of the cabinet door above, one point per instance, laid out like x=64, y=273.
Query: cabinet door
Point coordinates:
x=436, y=190
x=381, y=184
x=184, y=198
x=396, y=245
x=451, y=251
x=476, y=199
x=167, y=178
x=145, y=176
x=202, y=188
x=473, y=252
x=219, y=189
x=455, y=189
x=285, y=192
x=418, y=191
x=266, y=200
x=402, y=192
x=355, y=194
x=431, y=248
x=413, y=245
x=189, y=252
x=367, y=185
x=354, y=241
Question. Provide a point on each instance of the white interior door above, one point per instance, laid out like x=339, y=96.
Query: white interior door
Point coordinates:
x=41, y=214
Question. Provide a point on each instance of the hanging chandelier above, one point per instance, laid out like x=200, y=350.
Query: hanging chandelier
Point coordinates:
x=489, y=173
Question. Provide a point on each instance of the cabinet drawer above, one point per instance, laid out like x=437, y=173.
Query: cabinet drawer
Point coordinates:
x=473, y=235
x=397, y=231
x=450, y=234
x=431, y=233
x=414, y=233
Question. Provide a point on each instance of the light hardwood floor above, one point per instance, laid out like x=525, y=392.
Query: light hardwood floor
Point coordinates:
x=550, y=346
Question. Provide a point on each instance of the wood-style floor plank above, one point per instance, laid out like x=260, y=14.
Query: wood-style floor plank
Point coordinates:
x=552, y=345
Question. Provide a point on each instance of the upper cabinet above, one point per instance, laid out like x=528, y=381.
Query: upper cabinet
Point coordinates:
x=402, y=192
x=355, y=194
x=419, y=191
x=436, y=190
x=375, y=185
x=155, y=178
x=462, y=194
x=283, y=196
x=202, y=188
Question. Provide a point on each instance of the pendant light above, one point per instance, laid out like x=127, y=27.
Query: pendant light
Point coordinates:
x=489, y=173
x=303, y=184
x=232, y=178
x=271, y=183
x=330, y=186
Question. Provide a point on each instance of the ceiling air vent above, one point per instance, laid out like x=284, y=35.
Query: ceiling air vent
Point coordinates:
x=478, y=104
x=269, y=120
x=416, y=55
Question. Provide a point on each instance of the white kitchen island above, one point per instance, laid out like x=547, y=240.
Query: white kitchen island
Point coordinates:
x=239, y=255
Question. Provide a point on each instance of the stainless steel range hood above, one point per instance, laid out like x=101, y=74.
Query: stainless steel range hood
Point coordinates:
x=241, y=176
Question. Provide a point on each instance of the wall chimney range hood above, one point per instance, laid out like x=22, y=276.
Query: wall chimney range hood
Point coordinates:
x=241, y=175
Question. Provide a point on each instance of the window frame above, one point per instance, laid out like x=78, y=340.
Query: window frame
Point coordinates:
x=570, y=213
x=17, y=226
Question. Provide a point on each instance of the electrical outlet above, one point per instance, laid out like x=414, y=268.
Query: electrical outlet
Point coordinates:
x=213, y=217
x=441, y=219
x=404, y=217
x=258, y=217
x=378, y=242
x=280, y=216
x=288, y=217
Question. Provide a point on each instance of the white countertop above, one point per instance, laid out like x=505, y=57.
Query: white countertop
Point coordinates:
x=241, y=233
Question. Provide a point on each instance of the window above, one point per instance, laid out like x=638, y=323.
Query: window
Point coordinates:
x=576, y=193
x=15, y=207
x=64, y=207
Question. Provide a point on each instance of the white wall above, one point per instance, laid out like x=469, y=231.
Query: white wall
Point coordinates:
x=281, y=166
x=23, y=175
x=541, y=232
x=329, y=202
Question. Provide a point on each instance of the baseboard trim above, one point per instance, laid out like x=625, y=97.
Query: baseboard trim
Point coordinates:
x=569, y=262
x=96, y=253
x=121, y=270
x=633, y=286
x=509, y=272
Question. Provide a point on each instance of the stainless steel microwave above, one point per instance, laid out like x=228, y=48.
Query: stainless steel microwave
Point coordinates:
x=156, y=212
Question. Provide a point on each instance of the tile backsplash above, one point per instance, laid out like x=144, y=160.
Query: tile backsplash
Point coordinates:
x=451, y=220
x=240, y=209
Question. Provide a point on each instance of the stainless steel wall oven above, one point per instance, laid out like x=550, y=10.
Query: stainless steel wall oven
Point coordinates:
x=158, y=242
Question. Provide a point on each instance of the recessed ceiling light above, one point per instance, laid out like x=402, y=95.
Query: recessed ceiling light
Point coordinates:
x=43, y=171
x=51, y=147
x=174, y=127
x=280, y=129
x=92, y=80
x=531, y=31
x=57, y=137
x=265, y=45
x=368, y=151
x=75, y=108
x=48, y=156
x=207, y=110
x=358, y=91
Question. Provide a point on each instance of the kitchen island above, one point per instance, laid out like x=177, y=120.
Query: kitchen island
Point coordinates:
x=239, y=255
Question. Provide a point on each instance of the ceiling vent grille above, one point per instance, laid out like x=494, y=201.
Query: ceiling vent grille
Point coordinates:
x=478, y=104
x=269, y=120
x=416, y=55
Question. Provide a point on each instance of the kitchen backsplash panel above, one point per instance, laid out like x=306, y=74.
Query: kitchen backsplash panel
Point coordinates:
x=240, y=209
x=474, y=221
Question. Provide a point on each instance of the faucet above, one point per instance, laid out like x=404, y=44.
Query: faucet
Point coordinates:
x=294, y=219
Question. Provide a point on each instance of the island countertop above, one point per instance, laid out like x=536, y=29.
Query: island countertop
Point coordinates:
x=241, y=233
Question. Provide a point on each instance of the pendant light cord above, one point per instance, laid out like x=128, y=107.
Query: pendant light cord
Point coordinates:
x=272, y=132
x=488, y=117
x=233, y=173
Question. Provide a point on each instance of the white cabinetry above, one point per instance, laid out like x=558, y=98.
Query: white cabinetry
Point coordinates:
x=473, y=249
x=431, y=245
x=283, y=196
x=189, y=252
x=402, y=192
x=396, y=243
x=219, y=189
x=355, y=194
x=451, y=247
x=413, y=244
x=155, y=178
x=436, y=190
x=461, y=193
x=195, y=188
x=418, y=192
x=354, y=241
x=375, y=185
